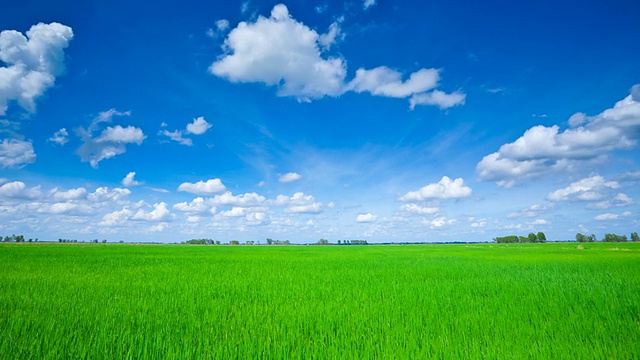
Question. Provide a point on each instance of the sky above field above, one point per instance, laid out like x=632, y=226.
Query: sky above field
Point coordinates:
x=382, y=120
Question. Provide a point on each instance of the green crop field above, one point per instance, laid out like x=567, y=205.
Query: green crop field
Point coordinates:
x=112, y=301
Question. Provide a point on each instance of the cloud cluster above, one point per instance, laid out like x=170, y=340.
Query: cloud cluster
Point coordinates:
x=32, y=63
x=283, y=52
x=543, y=150
x=111, y=141
x=199, y=126
x=443, y=189
x=16, y=153
x=209, y=187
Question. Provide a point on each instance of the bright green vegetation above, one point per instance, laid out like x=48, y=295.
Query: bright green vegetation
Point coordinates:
x=93, y=301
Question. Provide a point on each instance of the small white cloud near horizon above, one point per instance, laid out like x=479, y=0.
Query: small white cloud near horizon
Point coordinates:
x=289, y=177
x=444, y=189
x=609, y=216
x=366, y=218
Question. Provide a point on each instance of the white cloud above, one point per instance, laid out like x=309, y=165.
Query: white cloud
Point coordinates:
x=314, y=208
x=383, y=81
x=289, y=177
x=479, y=224
x=299, y=203
x=71, y=194
x=587, y=189
x=33, y=62
x=243, y=200
x=117, y=217
x=60, y=137
x=16, y=153
x=111, y=142
x=609, y=216
x=538, y=222
x=368, y=3
x=222, y=25
x=19, y=190
x=176, y=136
x=619, y=200
x=334, y=33
x=160, y=212
x=234, y=212
x=210, y=187
x=440, y=222
x=197, y=205
x=444, y=189
x=159, y=227
x=543, y=150
x=531, y=211
x=418, y=210
x=199, y=126
x=365, y=218
x=103, y=194
x=129, y=180
x=439, y=99
x=256, y=52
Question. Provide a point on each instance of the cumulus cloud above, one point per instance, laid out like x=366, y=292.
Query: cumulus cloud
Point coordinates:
x=366, y=218
x=619, y=200
x=543, y=150
x=438, y=98
x=32, y=63
x=609, y=216
x=60, y=137
x=289, y=177
x=112, y=140
x=587, y=189
x=444, y=189
x=129, y=180
x=197, y=205
x=439, y=222
x=383, y=81
x=16, y=153
x=418, y=210
x=68, y=195
x=531, y=211
x=368, y=3
x=160, y=212
x=242, y=200
x=103, y=194
x=210, y=187
x=19, y=190
x=256, y=51
x=299, y=203
x=198, y=127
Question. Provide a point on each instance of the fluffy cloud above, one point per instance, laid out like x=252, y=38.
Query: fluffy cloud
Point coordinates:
x=444, y=189
x=199, y=126
x=19, y=190
x=300, y=203
x=418, y=210
x=197, y=205
x=587, y=189
x=439, y=222
x=438, y=98
x=16, y=153
x=383, y=81
x=71, y=194
x=619, y=200
x=366, y=218
x=368, y=3
x=531, y=211
x=112, y=140
x=160, y=212
x=609, y=216
x=33, y=62
x=103, y=194
x=129, y=180
x=256, y=52
x=243, y=200
x=60, y=137
x=542, y=150
x=289, y=177
x=210, y=187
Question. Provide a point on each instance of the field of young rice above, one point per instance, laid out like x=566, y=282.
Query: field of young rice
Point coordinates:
x=120, y=301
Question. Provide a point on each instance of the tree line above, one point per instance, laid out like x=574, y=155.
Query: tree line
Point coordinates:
x=607, y=238
x=540, y=237
x=16, y=238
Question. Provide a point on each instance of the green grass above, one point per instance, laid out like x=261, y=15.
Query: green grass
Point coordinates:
x=92, y=301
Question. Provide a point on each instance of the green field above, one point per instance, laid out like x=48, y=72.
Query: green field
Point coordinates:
x=94, y=301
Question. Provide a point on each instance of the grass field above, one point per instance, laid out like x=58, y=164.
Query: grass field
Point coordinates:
x=94, y=301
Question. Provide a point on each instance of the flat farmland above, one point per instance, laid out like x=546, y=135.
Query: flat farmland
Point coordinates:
x=122, y=301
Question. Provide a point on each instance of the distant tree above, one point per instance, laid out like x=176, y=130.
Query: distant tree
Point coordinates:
x=581, y=238
x=269, y=241
x=234, y=242
x=614, y=238
x=541, y=237
x=323, y=242
x=217, y=242
x=593, y=238
x=532, y=238
x=635, y=237
x=339, y=242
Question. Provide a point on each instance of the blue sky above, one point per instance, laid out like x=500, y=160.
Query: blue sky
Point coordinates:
x=377, y=120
